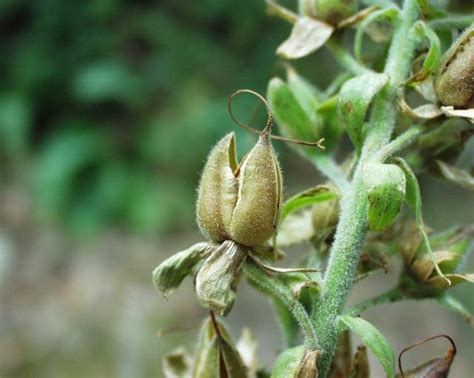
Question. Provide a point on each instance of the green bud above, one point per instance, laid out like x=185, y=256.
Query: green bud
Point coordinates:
x=333, y=11
x=454, y=81
x=385, y=184
x=216, y=355
x=217, y=193
x=217, y=279
x=296, y=362
x=171, y=272
x=240, y=203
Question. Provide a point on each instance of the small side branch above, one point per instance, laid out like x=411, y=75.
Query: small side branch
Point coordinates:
x=274, y=287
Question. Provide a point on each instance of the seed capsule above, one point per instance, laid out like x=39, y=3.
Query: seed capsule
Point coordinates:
x=256, y=213
x=240, y=203
x=385, y=185
x=217, y=193
x=454, y=82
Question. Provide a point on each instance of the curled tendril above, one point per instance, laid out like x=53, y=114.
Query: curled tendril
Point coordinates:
x=449, y=338
x=267, y=130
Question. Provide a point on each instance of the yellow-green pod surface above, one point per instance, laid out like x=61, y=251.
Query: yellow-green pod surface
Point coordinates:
x=217, y=193
x=454, y=82
x=256, y=212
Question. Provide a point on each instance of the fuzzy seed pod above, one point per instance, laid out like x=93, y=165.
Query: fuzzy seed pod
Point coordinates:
x=454, y=82
x=334, y=11
x=256, y=213
x=385, y=185
x=240, y=203
x=217, y=193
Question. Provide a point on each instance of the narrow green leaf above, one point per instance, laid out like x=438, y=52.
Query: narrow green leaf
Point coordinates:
x=309, y=197
x=290, y=115
x=307, y=36
x=376, y=342
x=354, y=100
x=414, y=201
x=454, y=305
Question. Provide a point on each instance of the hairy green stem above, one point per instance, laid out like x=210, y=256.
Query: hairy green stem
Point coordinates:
x=275, y=288
x=352, y=225
x=398, y=144
x=390, y=296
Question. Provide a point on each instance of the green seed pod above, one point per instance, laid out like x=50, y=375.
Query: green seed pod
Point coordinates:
x=296, y=362
x=217, y=193
x=385, y=184
x=333, y=11
x=240, y=203
x=454, y=81
x=257, y=210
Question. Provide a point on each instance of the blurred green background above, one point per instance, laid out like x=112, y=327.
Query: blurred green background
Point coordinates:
x=107, y=111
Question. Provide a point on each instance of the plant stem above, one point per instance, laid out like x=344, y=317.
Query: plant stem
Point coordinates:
x=390, y=296
x=274, y=287
x=352, y=225
x=344, y=58
x=398, y=144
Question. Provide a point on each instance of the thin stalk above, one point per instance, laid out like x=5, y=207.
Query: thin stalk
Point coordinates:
x=352, y=226
x=272, y=286
x=401, y=142
x=329, y=168
x=390, y=296
x=344, y=58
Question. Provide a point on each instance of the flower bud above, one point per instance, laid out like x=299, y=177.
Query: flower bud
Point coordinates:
x=385, y=184
x=334, y=11
x=296, y=362
x=454, y=82
x=240, y=203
